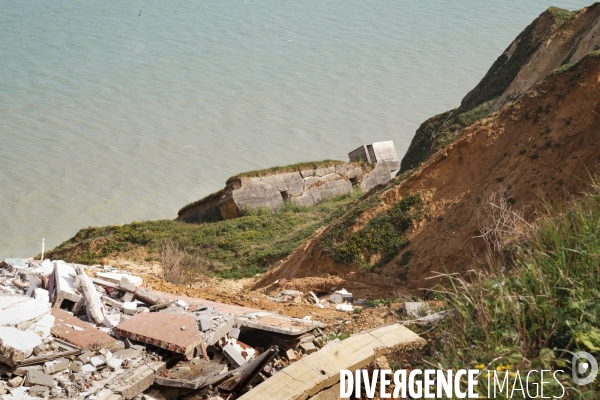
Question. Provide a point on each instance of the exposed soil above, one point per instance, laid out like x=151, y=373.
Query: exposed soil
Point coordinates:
x=544, y=147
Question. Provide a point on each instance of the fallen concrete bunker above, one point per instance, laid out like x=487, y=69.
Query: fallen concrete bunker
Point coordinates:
x=369, y=166
x=71, y=331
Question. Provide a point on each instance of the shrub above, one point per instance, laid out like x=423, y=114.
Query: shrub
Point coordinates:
x=533, y=309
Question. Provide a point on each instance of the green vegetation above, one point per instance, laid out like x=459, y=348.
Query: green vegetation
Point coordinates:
x=532, y=310
x=376, y=303
x=566, y=68
x=446, y=133
x=441, y=130
x=381, y=237
x=291, y=168
x=561, y=17
x=234, y=248
x=422, y=142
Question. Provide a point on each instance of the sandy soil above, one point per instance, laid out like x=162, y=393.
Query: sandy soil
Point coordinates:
x=542, y=149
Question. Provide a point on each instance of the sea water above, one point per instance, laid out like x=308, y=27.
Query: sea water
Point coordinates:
x=109, y=116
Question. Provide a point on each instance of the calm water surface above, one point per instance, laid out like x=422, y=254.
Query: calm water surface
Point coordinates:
x=107, y=117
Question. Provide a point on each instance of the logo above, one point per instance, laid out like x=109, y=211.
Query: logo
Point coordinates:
x=585, y=368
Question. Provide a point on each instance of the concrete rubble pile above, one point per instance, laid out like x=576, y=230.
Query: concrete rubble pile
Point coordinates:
x=341, y=300
x=70, y=331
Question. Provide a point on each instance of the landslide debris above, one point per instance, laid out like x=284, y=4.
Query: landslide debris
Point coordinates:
x=541, y=148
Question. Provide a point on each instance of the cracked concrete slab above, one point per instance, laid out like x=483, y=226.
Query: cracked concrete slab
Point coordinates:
x=321, y=370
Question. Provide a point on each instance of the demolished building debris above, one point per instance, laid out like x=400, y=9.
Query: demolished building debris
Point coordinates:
x=78, y=332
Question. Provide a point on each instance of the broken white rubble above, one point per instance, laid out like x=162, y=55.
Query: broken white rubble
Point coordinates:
x=116, y=278
x=20, y=311
x=15, y=340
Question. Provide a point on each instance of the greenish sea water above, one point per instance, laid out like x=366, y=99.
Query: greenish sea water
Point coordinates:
x=107, y=117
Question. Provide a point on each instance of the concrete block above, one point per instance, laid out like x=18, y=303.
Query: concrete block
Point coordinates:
x=117, y=278
x=130, y=307
x=94, y=305
x=234, y=355
x=75, y=366
x=15, y=382
x=307, y=338
x=205, y=323
x=311, y=374
x=128, y=353
x=35, y=378
x=146, y=296
x=52, y=367
x=234, y=333
x=114, y=363
x=38, y=391
x=88, y=368
x=97, y=361
x=127, y=297
x=414, y=309
x=308, y=347
x=118, y=346
x=85, y=357
x=20, y=311
x=22, y=371
x=109, y=301
x=112, y=320
x=17, y=345
x=211, y=337
x=126, y=285
x=134, y=382
x=291, y=355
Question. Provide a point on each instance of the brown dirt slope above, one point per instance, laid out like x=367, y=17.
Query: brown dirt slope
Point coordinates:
x=557, y=37
x=576, y=38
x=546, y=145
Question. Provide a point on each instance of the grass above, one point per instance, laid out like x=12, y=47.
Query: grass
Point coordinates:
x=381, y=239
x=291, y=168
x=236, y=248
x=537, y=304
x=561, y=17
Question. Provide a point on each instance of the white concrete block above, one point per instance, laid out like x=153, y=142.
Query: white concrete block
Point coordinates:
x=21, y=314
x=17, y=344
x=97, y=361
x=34, y=283
x=94, y=304
x=114, y=363
x=41, y=295
x=130, y=307
x=111, y=320
x=43, y=326
x=116, y=278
